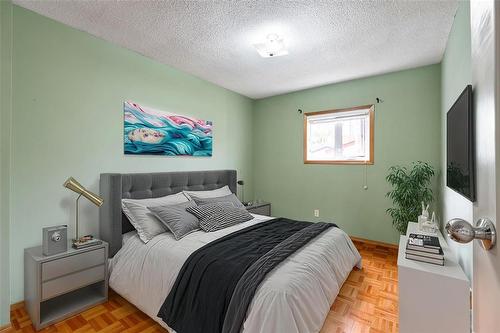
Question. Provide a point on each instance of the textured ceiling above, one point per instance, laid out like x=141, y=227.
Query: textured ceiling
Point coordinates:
x=328, y=41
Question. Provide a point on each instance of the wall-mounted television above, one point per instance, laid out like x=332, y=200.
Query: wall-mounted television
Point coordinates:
x=460, y=173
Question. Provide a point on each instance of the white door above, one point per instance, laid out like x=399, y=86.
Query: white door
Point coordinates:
x=485, y=34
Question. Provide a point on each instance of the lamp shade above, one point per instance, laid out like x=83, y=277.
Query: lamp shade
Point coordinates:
x=76, y=187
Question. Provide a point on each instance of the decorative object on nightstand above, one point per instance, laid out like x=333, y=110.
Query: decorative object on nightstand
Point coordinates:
x=242, y=183
x=430, y=226
x=55, y=240
x=62, y=285
x=261, y=208
x=422, y=218
x=73, y=185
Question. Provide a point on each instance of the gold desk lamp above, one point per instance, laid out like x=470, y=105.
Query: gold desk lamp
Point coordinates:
x=76, y=187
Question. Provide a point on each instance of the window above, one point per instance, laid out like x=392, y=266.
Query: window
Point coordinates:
x=343, y=136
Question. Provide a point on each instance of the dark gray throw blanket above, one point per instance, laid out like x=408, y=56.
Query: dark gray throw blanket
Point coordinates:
x=216, y=284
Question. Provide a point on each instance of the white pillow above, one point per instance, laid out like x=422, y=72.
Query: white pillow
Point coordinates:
x=146, y=224
x=220, y=192
x=172, y=199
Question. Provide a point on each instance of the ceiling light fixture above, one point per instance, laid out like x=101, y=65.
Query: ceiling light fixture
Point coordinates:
x=274, y=46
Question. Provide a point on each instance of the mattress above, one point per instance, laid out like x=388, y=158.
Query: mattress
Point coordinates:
x=295, y=297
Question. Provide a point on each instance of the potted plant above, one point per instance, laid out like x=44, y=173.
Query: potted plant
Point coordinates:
x=410, y=187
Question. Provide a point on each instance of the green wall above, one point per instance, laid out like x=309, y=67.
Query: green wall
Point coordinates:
x=456, y=74
x=5, y=142
x=68, y=90
x=407, y=128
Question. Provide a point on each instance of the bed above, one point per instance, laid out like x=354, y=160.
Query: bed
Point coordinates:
x=294, y=297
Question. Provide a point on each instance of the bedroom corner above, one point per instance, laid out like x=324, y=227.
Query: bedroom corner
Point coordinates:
x=5, y=155
x=407, y=129
x=456, y=73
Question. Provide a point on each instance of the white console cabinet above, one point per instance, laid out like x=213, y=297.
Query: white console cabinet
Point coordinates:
x=432, y=298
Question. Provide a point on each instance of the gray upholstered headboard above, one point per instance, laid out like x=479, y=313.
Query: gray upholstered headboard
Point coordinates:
x=116, y=186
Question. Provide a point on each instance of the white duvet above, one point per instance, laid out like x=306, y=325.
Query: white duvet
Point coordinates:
x=295, y=297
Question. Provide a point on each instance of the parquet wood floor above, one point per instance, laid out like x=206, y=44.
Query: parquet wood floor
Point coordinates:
x=367, y=302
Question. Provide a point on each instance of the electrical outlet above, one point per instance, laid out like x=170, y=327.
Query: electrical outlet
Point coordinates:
x=316, y=213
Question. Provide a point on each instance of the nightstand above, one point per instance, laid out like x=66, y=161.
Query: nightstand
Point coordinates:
x=426, y=289
x=261, y=208
x=64, y=284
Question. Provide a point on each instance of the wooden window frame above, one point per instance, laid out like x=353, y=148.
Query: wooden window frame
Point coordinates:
x=371, y=112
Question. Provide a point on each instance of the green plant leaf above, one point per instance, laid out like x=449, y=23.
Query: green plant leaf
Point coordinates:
x=410, y=186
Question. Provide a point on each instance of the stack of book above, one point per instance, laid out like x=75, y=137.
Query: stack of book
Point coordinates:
x=424, y=248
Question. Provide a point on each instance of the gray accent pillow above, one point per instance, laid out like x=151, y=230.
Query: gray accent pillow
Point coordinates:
x=146, y=224
x=177, y=219
x=228, y=198
x=219, y=215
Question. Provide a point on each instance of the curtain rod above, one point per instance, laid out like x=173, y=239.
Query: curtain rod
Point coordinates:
x=377, y=99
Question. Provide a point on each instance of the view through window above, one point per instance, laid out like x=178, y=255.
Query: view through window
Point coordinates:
x=342, y=136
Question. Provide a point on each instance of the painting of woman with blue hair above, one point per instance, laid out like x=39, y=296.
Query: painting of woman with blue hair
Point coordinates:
x=152, y=132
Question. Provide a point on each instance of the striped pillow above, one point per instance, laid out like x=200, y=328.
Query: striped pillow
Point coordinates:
x=203, y=211
x=220, y=215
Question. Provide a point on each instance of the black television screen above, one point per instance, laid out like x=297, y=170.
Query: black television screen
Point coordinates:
x=460, y=146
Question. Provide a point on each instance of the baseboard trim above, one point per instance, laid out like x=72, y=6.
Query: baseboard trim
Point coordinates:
x=17, y=305
x=372, y=242
x=5, y=327
x=13, y=307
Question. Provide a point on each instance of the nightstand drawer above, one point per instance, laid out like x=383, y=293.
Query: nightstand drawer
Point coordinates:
x=59, y=267
x=72, y=281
